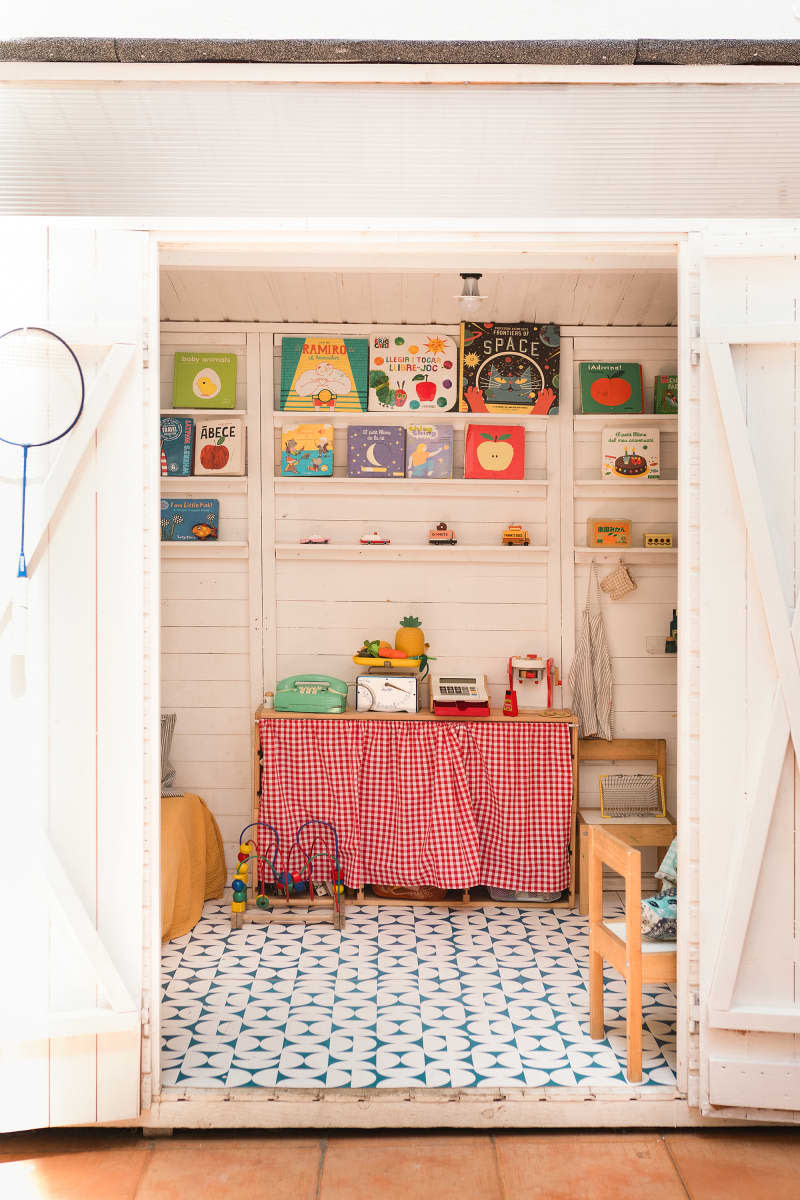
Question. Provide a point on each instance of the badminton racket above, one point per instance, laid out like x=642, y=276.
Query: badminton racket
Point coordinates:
x=41, y=399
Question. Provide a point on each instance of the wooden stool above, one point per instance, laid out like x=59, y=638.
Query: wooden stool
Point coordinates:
x=634, y=831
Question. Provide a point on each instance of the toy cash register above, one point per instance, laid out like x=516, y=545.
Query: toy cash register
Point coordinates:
x=311, y=694
x=459, y=696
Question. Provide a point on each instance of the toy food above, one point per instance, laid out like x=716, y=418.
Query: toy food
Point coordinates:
x=410, y=639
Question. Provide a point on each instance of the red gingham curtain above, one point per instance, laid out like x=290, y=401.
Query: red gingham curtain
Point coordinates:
x=447, y=803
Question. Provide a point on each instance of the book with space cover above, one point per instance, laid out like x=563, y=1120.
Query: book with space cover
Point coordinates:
x=509, y=368
x=611, y=387
x=376, y=452
x=429, y=451
x=494, y=452
x=204, y=380
x=307, y=450
x=322, y=372
x=413, y=370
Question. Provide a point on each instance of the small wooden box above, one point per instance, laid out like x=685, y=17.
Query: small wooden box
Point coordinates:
x=658, y=541
x=608, y=531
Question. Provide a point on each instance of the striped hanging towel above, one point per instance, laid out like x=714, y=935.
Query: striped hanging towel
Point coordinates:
x=590, y=673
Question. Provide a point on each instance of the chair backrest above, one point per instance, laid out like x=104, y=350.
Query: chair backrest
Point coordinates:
x=607, y=850
x=626, y=750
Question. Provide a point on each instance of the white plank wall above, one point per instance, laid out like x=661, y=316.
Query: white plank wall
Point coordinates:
x=206, y=630
x=645, y=698
x=475, y=614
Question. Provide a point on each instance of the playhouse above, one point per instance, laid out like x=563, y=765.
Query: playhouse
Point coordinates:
x=451, y=855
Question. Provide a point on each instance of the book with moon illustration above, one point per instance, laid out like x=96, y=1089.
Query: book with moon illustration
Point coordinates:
x=494, y=452
x=204, y=380
x=414, y=370
x=322, y=372
x=630, y=454
x=376, y=452
x=509, y=368
x=307, y=450
x=429, y=451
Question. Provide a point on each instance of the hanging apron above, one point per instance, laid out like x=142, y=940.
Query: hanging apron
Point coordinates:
x=590, y=673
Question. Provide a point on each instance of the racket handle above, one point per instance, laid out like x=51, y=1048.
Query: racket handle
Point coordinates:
x=19, y=616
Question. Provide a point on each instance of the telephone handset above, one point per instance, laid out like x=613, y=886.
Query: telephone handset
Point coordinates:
x=311, y=693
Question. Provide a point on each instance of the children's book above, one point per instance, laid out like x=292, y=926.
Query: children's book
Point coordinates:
x=376, y=452
x=219, y=446
x=307, y=450
x=320, y=373
x=416, y=371
x=611, y=387
x=665, y=394
x=630, y=454
x=494, y=452
x=189, y=520
x=177, y=439
x=509, y=368
x=429, y=452
x=204, y=380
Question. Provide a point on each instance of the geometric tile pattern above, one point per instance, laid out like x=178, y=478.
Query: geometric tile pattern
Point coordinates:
x=404, y=997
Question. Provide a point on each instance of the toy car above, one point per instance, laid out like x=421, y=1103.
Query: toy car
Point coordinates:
x=316, y=539
x=374, y=539
x=441, y=536
x=515, y=535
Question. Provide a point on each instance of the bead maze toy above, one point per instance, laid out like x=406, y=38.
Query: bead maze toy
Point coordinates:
x=283, y=888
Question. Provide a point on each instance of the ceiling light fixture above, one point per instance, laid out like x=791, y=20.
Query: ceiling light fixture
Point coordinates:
x=470, y=299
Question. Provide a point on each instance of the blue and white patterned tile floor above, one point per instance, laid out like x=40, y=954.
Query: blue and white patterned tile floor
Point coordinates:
x=405, y=997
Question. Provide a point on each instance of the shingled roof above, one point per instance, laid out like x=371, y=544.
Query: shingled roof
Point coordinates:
x=641, y=52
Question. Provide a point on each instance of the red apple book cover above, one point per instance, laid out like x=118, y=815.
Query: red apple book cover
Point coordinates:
x=219, y=446
x=611, y=387
x=494, y=452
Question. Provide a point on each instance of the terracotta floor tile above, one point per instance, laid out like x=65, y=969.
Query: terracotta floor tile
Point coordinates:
x=106, y=1174
x=738, y=1163
x=597, y=1166
x=212, y=1168
x=447, y=1167
x=39, y=1142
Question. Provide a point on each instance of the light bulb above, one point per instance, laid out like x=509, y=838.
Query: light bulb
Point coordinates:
x=470, y=299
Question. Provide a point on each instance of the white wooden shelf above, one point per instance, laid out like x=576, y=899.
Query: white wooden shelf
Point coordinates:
x=629, y=554
x=659, y=489
x=204, y=549
x=341, y=486
x=204, y=485
x=203, y=412
x=585, y=422
x=355, y=552
x=408, y=416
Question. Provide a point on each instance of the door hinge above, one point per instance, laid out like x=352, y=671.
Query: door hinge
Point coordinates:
x=694, y=1011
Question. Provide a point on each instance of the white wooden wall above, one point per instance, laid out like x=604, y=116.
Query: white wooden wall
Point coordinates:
x=211, y=611
x=478, y=605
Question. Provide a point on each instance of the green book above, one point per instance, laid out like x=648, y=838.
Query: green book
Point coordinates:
x=611, y=388
x=665, y=394
x=322, y=372
x=204, y=380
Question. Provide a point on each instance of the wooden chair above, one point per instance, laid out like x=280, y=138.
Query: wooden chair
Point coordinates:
x=620, y=943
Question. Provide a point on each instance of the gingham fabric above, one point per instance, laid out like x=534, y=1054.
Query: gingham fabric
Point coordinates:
x=446, y=803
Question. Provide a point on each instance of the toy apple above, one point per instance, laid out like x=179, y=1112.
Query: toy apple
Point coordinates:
x=611, y=393
x=214, y=458
x=426, y=391
x=495, y=452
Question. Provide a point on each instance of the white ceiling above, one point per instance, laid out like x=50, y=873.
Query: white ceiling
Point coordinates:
x=646, y=297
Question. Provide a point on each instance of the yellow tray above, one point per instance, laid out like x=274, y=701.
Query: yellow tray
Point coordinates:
x=405, y=663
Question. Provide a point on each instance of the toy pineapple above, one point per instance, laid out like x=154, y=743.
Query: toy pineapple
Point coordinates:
x=410, y=638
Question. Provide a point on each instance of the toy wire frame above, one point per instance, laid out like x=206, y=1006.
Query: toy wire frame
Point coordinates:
x=282, y=878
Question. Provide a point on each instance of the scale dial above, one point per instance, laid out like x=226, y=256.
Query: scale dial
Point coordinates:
x=387, y=695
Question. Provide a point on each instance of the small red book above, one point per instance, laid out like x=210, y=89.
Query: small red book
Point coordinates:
x=494, y=452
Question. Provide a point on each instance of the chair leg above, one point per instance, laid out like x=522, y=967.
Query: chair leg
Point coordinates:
x=633, y=1028
x=596, y=1022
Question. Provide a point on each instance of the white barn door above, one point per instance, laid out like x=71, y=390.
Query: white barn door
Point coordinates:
x=741, y=673
x=78, y=710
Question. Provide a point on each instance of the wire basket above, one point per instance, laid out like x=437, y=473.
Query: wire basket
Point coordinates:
x=632, y=796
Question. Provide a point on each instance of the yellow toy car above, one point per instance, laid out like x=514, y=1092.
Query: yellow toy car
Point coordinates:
x=515, y=535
